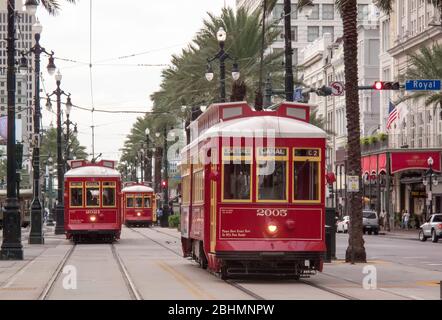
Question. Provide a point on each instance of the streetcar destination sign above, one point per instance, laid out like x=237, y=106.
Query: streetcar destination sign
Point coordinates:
x=423, y=85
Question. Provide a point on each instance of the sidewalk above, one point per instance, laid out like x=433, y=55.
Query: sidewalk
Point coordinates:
x=411, y=234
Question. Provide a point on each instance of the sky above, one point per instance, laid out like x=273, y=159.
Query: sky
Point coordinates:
x=150, y=30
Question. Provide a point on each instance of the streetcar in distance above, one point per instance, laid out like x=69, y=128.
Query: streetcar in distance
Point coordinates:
x=24, y=200
x=92, y=207
x=138, y=204
x=253, y=191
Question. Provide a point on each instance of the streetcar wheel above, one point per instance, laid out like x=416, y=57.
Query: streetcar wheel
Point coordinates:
x=434, y=237
x=223, y=273
x=370, y=232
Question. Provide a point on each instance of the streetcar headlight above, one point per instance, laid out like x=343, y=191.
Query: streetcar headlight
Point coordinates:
x=93, y=218
x=139, y=214
x=272, y=228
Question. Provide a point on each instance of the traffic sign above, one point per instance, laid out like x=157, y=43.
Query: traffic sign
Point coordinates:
x=423, y=85
x=337, y=88
x=353, y=183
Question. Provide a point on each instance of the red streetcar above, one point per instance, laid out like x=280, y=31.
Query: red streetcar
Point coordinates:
x=138, y=204
x=253, y=191
x=92, y=209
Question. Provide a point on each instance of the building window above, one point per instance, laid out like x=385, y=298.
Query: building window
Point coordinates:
x=295, y=34
x=315, y=13
x=330, y=30
x=362, y=12
x=281, y=34
x=295, y=57
x=294, y=13
x=278, y=12
x=328, y=12
x=312, y=33
x=385, y=35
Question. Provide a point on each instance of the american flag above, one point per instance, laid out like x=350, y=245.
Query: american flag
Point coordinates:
x=392, y=114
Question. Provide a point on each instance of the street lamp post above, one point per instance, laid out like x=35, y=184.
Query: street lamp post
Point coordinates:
x=50, y=221
x=59, y=228
x=68, y=129
x=36, y=234
x=148, y=158
x=222, y=56
x=12, y=248
x=430, y=179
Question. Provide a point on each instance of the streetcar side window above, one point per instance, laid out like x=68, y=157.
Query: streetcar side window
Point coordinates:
x=186, y=189
x=129, y=202
x=76, y=194
x=307, y=175
x=146, y=202
x=138, y=201
x=198, y=186
x=92, y=194
x=237, y=180
x=108, y=194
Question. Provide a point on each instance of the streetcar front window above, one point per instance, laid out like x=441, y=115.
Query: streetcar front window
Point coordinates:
x=76, y=194
x=272, y=180
x=147, y=202
x=108, y=194
x=129, y=202
x=92, y=194
x=237, y=180
x=138, y=202
x=306, y=181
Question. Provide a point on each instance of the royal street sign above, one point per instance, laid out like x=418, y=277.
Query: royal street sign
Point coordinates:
x=423, y=85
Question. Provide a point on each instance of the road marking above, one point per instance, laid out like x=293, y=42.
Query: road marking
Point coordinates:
x=194, y=289
x=428, y=283
x=415, y=257
x=435, y=264
x=11, y=282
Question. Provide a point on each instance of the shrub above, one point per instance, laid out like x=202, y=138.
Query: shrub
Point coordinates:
x=382, y=136
x=174, y=221
x=365, y=141
x=373, y=139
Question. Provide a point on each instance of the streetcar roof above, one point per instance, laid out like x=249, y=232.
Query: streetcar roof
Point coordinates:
x=260, y=127
x=93, y=171
x=137, y=188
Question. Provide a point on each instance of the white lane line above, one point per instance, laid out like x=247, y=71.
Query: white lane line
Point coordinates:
x=11, y=282
x=435, y=264
x=415, y=257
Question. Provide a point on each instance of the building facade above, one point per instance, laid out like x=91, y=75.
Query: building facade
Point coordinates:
x=24, y=83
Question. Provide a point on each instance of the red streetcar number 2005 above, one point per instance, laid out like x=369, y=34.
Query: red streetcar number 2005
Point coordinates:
x=271, y=213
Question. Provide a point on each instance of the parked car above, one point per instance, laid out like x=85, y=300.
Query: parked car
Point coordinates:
x=431, y=228
x=342, y=225
x=370, y=222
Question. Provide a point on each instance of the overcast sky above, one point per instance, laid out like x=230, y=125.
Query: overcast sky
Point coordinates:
x=119, y=29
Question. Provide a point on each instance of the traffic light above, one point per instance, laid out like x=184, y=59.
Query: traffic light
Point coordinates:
x=386, y=85
x=164, y=183
x=324, y=91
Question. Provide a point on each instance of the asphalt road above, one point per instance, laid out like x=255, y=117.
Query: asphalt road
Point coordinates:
x=407, y=252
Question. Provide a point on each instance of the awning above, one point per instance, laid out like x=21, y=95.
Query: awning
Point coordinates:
x=401, y=161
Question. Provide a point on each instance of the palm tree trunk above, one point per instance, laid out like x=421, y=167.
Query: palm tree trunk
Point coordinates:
x=288, y=50
x=356, y=250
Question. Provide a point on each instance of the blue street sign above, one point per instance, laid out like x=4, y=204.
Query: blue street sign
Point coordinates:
x=423, y=85
x=298, y=94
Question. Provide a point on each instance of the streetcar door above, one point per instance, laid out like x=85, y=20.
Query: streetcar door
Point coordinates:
x=213, y=218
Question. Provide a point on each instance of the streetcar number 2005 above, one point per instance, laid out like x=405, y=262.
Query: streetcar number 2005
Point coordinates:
x=271, y=213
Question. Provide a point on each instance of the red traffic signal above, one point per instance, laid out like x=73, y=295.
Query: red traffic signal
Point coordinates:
x=164, y=183
x=386, y=85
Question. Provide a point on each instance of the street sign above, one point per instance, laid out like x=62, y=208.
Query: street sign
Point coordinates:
x=423, y=85
x=338, y=88
x=353, y=184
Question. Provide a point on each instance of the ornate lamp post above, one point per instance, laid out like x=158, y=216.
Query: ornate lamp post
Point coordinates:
x=59, y=228
x=430, y=179
x=222, y=56
x=11, y=248
x=36, y=234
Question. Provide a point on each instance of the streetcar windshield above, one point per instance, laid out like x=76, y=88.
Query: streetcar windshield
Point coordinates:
x=138, y=202
x=306, y=181
x=92, y=194
x=272, y=180
x=76, y=194
x=108, y=194
x=147, y=202
x=129, y=202
x=237, y=181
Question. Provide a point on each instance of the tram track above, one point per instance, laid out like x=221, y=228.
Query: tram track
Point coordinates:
x=332, y=291
x=133, y=291
x=50, y=285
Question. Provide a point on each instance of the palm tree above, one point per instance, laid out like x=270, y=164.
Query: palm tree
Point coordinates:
x=426, y=64
x=52, y=6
